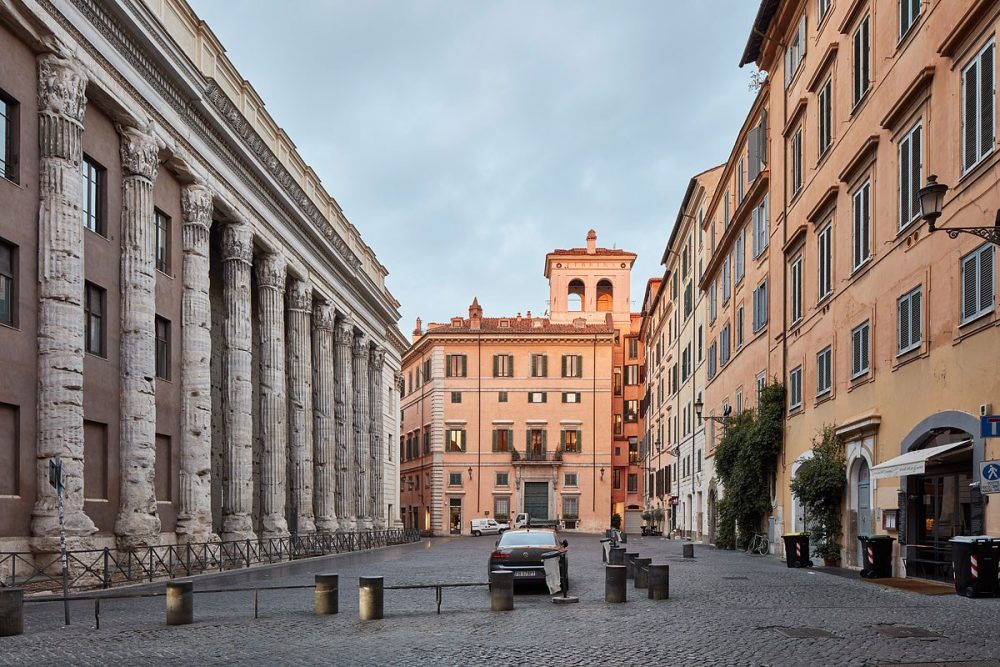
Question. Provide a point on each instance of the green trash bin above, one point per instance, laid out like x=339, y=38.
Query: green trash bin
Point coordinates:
x=877, y=556
x=797, y=549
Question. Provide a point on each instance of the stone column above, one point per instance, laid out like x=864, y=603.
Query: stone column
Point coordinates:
x=375, y=462
x=300, y=406
x=344, y=373
x=324, y=451
x=61, y=105
x=362, y=432
x=137, y=523
x=237, y=398
x=273, y=401
x=194, y=511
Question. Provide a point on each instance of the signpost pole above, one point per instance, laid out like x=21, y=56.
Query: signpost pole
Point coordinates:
x=56, y=480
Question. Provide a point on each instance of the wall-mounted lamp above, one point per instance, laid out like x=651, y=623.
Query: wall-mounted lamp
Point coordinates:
x=602, y=473
x=470, y=472
x=931, y=198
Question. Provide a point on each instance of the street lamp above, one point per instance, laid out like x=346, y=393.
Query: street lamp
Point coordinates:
x=699, y=407
x=932, y=201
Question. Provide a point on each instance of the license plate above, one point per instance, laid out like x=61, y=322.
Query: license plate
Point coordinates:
x=525, y=573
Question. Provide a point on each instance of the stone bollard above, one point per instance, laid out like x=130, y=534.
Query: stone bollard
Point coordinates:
x=614, y=583
x=180, y=603
x=641, y=573
x=501, y=590
x=688, y=550
x=659, y=582
x=11, y=612
x=630, y=557
x=327, y=594
x=616, y=556
x=370, y=596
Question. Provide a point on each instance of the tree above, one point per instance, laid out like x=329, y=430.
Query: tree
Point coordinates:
x=819, y=486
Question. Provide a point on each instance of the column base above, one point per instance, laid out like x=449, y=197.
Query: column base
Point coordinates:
x=189, y=536
x=274, y=526
x=365, y=523
x=348, y=524
x=135, y=529
x=45, y=523
x=237, y=528
x=327, y=525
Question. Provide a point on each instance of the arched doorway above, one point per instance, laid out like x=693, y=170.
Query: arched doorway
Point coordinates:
x=712, y=516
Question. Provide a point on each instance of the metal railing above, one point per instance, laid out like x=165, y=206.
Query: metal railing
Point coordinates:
x=106, y=568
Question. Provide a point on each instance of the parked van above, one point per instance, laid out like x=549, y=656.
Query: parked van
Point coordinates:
x=524, y=520
x=487, y=527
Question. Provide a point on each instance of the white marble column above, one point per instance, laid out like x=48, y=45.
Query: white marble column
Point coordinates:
x=344, y=372
x=362, y=432
x=300, y=405
x=324, y=451
x=237, y=398
x=194, y=511
x=377, y=421
x=61, y=104
x=137, y=523
x=273, y=399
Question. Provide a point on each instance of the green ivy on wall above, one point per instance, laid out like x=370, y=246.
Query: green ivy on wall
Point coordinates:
x=819, y=486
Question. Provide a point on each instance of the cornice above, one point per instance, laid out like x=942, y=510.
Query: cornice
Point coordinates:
x=860, y=158
x=912, y=93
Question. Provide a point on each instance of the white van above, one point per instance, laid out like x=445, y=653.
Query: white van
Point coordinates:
x=487, y=527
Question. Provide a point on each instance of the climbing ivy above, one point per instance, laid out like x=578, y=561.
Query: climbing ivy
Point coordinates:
x=819, y=486
x=745, y=461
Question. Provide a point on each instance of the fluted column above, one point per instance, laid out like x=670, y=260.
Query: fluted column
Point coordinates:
x=300, y=404
x=324, y=457
x=194, y=511
x=377, y=421
x=137, y=522
x=61, y=105
x=237, y=398
x=273, y=400
x=344, y=372
x=362, y=432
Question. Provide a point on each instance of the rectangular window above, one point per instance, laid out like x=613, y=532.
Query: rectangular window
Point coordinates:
x=633, y=348
x=909, y=320
x=725, y=280
x=795, y=164
x=427, y=371
x=456, y=397
x=824, y=8
x=572, y=366
x=536, y=443
x=862, y=59
x=631, y=375
x=456, y=365
x=571, y=397
x=910, y=175
x=979, y=106
x=162, y=239
x=909, y=11
x=618, y=424
x=8, y=283
x=724, y=345
x=824, y=263
x=824, y=371
x=795, y=51
x=711, y=302
x=503, y=439
x=456, y=440
x=427, y=440
x=795, y=387
x=536, y=397
x=501, y=505
x=631, y=411
x=539, y=365
x=740, y=188
x=616, y=382
x=572, y=441
x=8, y=138
x=760, y=306
x=825, y=100
x=688, y=299
x=860, y=352
x=503, y=479
x=711, y=361
x=725, y=210
x=454, y=479
x=862, y=240
x=977, y=283
x=503, y=365
x=759, y=227
x=761, y=384
x=739, y=326
x=93, y=196
x=616, y=478
x=633, y=482
x=570, y=479
x=701, y=342
x=796, y=293
x=740, y=256
x=162, y=327
x=502, y=397
x=94, y=298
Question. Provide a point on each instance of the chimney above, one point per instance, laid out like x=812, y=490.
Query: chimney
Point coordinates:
x=475, y=315
x=591, y=242
x=418, y=331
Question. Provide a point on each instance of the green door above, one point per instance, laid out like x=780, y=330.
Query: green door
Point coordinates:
x=536, y=499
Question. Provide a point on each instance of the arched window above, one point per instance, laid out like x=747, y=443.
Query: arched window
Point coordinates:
x=576, y=295
x=605, y=296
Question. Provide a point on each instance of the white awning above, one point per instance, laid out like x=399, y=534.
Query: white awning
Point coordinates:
x=915, y=462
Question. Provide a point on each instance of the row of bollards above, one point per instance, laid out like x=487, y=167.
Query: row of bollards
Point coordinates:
x=623, y=566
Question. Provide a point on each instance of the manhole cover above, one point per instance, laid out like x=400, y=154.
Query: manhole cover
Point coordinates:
x=806, y=633
x=903, y=631
x=735, y=578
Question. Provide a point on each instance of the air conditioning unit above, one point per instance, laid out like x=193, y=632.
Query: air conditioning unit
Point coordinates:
x=985, y=409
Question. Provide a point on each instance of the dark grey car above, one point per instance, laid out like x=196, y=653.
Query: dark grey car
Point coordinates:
x=520, y=551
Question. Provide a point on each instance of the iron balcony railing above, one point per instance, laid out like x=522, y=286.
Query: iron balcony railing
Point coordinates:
x=536, y=456
x=107, y=568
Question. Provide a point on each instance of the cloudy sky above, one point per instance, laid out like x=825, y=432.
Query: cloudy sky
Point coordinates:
x=467, y=138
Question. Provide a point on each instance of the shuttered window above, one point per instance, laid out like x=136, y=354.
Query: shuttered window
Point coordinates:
x=503, y=439
x=537, y=397
x=862, y=59
x=795, y=387
x=760, y=306
x=572, y=366
x=711, y=361
x=860, y=341
x=977, y=283
x=909, y=10
x=824, y=255
x=796, y=294
x=757, y=149
x=724, y=345
x=711, y=302
x=740, y=186
x=540, y=366
x=759, y=228
x=725, y=279
x=503, y=365
x=979, y=106
x=909, y=320
x=571, y=441
x=739, y=326
x=825, y=100
x=740, y=257
x=456, y=440
x=795, y=51
x=456, y=365
x=824, y=371
x=910, y=175
x=795, y=163
x=861, y=213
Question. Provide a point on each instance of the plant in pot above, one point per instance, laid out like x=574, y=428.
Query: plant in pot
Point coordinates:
x=616, y=521
x=658, y=518
x=819, y=486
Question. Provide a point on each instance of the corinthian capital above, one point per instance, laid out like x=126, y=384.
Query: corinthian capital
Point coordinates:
x=62, y=87
x=360, y=349
x=237, y=243
x=323, y=316
x=377, y=357
x=271, y=271
x=196, y=204
x=345, y=331
x=139, y=151
x=300, y=295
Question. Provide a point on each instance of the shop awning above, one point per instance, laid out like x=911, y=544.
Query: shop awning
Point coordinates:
x=915, y=462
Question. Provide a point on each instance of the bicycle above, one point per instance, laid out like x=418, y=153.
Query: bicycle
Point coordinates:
x=758, y=545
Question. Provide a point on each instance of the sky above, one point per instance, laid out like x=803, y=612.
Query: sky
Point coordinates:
x=465, y=139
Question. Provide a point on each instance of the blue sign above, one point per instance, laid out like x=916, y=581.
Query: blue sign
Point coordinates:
x=989, y=426
x=989, y=477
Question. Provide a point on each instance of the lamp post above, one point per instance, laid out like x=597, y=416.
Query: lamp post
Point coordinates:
x=699, y=406
x=931, y=202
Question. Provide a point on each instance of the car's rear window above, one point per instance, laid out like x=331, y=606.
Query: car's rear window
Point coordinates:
x=542, y=538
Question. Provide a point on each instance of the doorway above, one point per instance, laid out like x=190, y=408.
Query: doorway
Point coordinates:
x=711, y=515
x=863, y=503
x=536, y=499
x=455, y=516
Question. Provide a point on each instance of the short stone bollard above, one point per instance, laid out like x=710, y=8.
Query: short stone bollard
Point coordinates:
x=501, y=590
x=630, y=557
x=370, y=598
x=616, y=556
x=659, y=582
x=641, y=573
x=11, y=612
x=614, y=583
x=688, y=550
x=180, y=603
x=327, y=594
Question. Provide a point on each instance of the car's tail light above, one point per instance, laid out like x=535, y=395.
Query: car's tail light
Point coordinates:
x=499, y=555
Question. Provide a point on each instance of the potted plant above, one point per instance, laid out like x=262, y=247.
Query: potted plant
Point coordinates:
x=819, y=486
x=616, y=521
x=658, y=521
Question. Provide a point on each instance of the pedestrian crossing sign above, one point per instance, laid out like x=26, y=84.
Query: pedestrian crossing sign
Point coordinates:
x=989, y=477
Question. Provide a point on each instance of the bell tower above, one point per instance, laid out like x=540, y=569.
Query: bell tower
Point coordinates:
x=589, y=283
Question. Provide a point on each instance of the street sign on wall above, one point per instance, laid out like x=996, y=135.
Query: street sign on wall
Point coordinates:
x=989, y=477
x=989, y=426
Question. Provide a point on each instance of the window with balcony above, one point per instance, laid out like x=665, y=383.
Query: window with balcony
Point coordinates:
x=536, y=444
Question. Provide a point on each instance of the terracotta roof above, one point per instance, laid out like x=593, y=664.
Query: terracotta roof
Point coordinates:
x=540, y=325
x=597, y=251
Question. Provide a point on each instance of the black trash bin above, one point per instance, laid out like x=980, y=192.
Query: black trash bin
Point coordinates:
x=797, y=550
x=975, y=559
x=877, y=556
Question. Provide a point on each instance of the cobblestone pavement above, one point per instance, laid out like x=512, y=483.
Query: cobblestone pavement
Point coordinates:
x=725, y=609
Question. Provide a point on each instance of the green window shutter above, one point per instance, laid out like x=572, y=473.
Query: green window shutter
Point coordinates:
x=494, y=440
x=564, y=365
x=447, y=365
x=510, y=365
x=562, y=440
x=464, y=435
x=544, y=438
x=496, y=364
x=579, y=441
x=527, y=440
x=545, y=365
x=545, y=397
x=579, y=365
x=510, y=439
x=465, y=365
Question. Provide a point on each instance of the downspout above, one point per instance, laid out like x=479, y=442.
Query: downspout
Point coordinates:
x=479, y=419
x=593, y=448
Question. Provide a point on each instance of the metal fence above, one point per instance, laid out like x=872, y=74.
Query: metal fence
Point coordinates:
x=106, y=568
